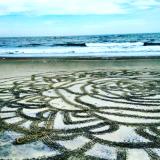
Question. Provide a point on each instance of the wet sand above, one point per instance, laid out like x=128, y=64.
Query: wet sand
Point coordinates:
x=80, y=109
x=20, y=67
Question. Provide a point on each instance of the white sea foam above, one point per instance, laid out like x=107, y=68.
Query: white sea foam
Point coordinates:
x=114, y=44
x=92, y=49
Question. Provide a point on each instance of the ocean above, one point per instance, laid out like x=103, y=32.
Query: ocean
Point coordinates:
x=117, y=45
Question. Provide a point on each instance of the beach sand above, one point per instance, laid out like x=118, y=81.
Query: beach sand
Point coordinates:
x=22, y=67
x=80, y=109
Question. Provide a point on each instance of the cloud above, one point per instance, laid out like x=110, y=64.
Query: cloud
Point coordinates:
x=46, y=7
x=72, y=7
x=146, y=4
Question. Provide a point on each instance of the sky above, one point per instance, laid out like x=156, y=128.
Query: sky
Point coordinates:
x=78, y=17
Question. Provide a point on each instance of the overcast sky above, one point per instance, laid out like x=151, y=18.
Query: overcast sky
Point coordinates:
x=78, y=17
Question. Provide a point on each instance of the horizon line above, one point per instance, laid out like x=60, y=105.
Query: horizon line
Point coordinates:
x=81, y=35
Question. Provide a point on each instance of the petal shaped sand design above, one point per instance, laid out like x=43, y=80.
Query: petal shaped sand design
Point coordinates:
x=88, y=115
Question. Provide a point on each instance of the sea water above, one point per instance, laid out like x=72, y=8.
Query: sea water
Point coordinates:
x=117, y=45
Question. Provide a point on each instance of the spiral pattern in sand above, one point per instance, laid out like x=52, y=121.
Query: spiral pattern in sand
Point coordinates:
x=103, y=114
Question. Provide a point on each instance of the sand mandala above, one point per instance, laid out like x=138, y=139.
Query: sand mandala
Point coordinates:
x=111, y=115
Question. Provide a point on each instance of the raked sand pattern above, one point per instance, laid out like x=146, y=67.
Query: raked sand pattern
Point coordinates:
x=112, y=115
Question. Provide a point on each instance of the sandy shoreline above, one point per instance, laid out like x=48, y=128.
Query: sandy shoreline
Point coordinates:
x=39, y=57
x=80, y=109
x=15, y=67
